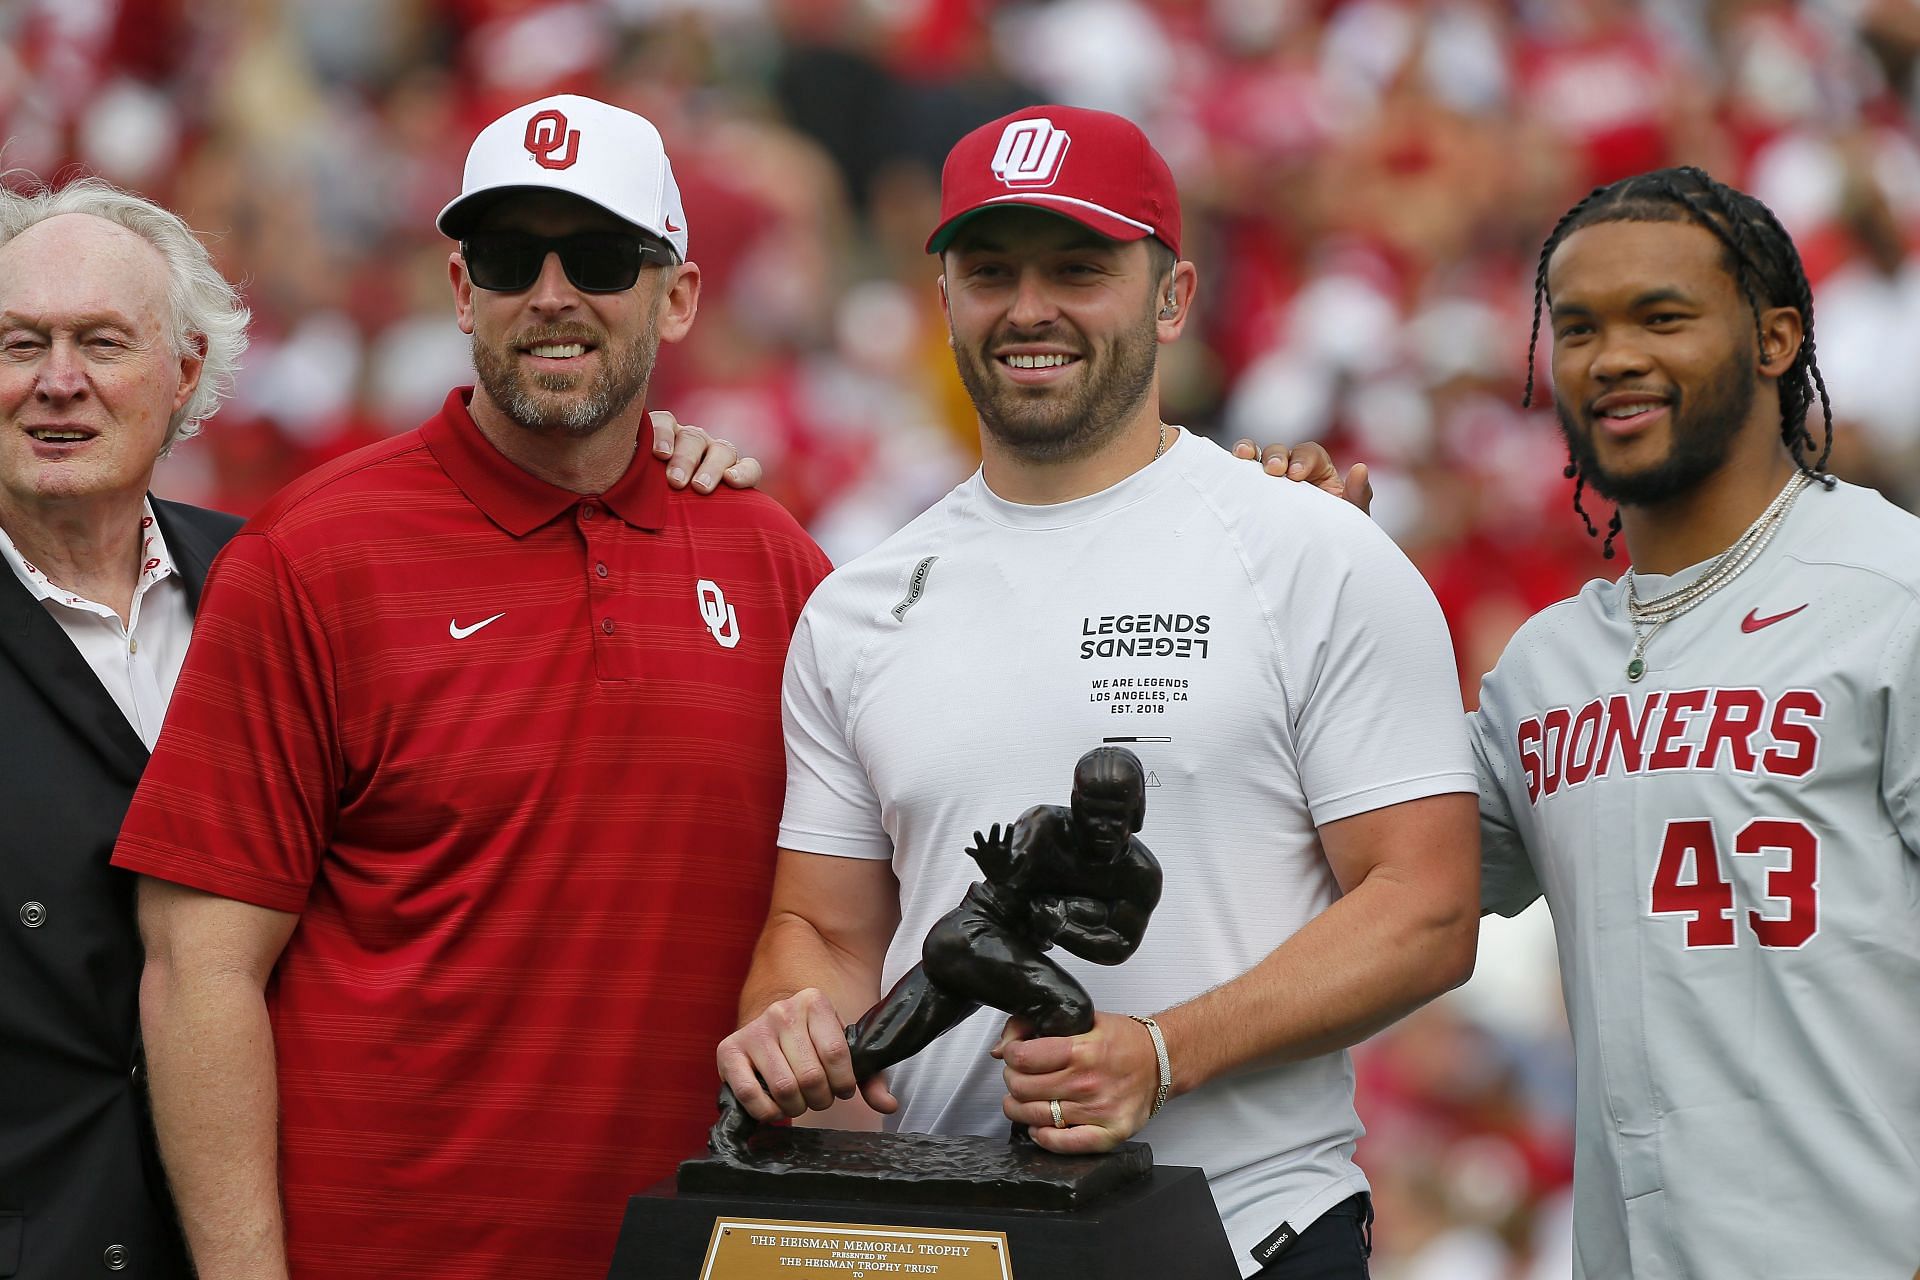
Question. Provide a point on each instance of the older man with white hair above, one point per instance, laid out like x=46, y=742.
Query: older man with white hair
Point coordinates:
x=117, y=337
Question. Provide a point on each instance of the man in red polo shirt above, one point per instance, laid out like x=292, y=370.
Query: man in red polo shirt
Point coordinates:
x=461, y=828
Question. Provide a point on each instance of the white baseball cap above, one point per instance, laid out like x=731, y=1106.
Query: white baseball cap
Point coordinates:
x=601, y=153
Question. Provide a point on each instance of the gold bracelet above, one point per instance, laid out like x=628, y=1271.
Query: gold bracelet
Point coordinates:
x=1160, y=1058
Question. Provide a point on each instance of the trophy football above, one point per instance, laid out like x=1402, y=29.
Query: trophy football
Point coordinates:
x=767, y=1200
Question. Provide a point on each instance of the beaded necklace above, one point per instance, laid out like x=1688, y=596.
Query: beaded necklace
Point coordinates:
x=1659, y=611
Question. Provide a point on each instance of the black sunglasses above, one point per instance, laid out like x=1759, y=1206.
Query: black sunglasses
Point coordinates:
x=595, y=261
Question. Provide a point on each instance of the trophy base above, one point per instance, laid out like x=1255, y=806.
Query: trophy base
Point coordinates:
x=913, y=1168
x=1156, y=1227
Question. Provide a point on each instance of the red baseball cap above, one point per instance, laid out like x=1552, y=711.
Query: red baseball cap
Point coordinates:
x=1091, y=166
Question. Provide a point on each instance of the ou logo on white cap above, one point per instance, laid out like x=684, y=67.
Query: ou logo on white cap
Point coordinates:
x=1030, y=153
x=547, y=133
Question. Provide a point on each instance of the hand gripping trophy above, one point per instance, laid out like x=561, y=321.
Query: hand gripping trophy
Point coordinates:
x=1074, y=876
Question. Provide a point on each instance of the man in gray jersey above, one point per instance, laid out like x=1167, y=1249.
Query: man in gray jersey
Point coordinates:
x=1711, y=767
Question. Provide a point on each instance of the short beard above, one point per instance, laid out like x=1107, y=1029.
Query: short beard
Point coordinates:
x=1040, y=424
x=1698, y=437
x=531, y=401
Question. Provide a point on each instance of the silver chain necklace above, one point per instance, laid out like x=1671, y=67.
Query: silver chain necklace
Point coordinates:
x=1658, y=612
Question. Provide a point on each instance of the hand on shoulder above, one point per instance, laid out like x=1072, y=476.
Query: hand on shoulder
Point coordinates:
x=697, y=458
x=1310, y=463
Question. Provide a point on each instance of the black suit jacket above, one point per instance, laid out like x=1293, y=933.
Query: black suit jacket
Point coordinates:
x=80, y=1185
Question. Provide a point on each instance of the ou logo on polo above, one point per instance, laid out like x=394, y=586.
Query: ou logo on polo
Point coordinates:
x=717, y=613
x=547, y=133
x=1030, y=153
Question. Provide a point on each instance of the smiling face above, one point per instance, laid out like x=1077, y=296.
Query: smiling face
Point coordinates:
x=1054, y=330
x=1655, y=372
x=88, y=375
x=553, y=359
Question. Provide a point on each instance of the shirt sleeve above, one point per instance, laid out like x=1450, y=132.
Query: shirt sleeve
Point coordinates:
x=1371, y=673
x=831, y=807
x=1900, y=767
x=243, y=785
x=1508, y=883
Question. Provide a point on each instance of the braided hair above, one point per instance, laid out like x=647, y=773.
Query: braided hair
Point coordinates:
x=1757, y=253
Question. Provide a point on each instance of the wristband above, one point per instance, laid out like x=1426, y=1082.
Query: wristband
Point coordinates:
x=1160, y=1059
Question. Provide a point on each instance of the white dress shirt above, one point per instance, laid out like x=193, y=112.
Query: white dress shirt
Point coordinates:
x=137, y=661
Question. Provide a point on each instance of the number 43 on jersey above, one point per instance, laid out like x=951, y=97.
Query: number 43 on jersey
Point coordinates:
x=1690, y=881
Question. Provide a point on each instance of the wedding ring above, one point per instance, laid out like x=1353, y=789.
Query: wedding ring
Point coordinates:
x=1059, y=1121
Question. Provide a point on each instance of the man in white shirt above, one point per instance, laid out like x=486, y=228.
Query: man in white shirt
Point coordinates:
x=1108, y=578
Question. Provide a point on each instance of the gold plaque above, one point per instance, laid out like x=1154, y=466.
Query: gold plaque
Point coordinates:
x=772, y=1249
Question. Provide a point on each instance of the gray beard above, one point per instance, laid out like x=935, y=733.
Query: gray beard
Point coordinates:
x=623, y=376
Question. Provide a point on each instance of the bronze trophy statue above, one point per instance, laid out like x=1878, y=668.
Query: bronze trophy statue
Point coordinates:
x=765, y=1200
x=1074, y=876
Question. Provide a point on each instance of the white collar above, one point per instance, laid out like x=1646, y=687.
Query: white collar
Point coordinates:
x=156, y=563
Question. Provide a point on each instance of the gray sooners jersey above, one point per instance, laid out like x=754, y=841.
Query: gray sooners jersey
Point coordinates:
x=1729, y=848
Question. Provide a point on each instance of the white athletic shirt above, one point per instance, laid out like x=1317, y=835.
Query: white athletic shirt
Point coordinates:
x=1729, y=850
x=1268, y=653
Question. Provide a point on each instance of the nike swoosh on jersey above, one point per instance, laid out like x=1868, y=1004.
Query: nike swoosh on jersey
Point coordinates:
x=1753, y=621
x=459, y=632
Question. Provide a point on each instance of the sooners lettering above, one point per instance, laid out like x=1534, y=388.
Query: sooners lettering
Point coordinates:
x=1798, y=733
x=547, y=133
x=1624, y=734
x=1553, y=744
x=1585, y=736
x=1670, y=750
x=1736, y=715
x=1669, y=731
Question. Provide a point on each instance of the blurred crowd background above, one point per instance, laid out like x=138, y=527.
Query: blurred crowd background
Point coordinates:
x=1366, y=185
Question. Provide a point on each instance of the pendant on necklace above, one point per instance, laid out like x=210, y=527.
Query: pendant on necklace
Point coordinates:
x=1636, y=669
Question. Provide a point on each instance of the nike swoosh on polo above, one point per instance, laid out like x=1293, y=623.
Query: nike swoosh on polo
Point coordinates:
x=1753, y=621
x=459, y=632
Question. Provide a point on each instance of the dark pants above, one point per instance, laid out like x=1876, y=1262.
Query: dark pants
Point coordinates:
x=1335, y=1247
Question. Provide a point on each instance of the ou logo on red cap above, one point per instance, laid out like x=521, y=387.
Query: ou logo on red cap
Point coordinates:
x=1030, y=153
x=547, y=132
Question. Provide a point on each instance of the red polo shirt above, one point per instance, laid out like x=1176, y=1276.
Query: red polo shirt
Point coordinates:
x=514, y=756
